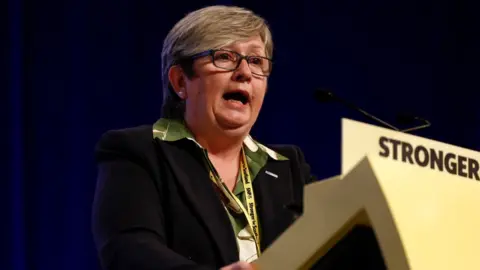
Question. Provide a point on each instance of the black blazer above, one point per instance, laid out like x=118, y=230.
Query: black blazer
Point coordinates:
x=155, y=206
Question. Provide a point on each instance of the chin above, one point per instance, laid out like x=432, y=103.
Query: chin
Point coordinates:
x=240, y=132
x=234, y=127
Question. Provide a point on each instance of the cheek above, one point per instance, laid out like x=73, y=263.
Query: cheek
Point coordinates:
x=208, y=81
x=199, y=90
x=259, y=89
x=214, y=85
x=196, y=100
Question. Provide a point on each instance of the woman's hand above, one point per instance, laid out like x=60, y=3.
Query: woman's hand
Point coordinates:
x=238, y=266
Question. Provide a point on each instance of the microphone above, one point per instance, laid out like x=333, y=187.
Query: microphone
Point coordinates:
x=323, y=95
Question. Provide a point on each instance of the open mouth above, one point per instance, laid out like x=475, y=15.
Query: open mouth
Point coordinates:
x=241, y=96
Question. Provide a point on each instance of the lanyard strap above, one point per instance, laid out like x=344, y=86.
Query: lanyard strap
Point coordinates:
x=234, y=203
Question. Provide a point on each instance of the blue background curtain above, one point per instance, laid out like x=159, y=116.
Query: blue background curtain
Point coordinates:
x=77, y=68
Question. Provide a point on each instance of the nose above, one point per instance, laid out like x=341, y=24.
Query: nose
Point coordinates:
x=242, y=73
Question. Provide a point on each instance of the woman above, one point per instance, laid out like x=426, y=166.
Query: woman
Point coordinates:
x=194, y=190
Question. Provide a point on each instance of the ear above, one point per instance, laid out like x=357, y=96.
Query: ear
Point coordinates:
x=176, y=76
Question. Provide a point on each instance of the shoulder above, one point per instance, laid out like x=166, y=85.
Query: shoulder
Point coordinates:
x=132, y=143
x=131, y=138
x=301, y=168
x=291, y=151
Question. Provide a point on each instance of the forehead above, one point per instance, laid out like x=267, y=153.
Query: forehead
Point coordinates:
x=254, y=43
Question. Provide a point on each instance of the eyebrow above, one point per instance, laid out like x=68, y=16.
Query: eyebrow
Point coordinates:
x=257, y=47
x=249, y=48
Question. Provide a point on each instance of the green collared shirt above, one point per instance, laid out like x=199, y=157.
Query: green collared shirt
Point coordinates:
x=256, y=153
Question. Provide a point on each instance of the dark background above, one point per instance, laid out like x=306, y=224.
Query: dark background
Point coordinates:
x=77, y=68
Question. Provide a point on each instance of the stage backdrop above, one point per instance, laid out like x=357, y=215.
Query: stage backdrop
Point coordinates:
x=79, y=68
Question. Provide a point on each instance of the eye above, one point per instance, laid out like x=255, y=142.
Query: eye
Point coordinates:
x=256, y=60
x=224, y=56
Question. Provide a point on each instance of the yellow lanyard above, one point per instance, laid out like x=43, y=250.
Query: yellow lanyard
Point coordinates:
x=234, y=203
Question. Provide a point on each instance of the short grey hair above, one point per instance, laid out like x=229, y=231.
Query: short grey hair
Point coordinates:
x=203, y=29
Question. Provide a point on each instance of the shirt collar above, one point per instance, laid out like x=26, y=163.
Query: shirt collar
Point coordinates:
x=174, y=130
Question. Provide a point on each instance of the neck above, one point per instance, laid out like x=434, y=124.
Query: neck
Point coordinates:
x=225, y=150
x=217, y=144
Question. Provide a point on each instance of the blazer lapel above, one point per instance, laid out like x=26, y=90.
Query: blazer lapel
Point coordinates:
x=195, y=182
x=273, y=196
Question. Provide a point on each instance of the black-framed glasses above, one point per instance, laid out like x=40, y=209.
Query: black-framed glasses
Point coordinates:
x=230, y=60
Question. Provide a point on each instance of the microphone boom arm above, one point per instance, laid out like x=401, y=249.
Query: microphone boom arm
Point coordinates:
x=324, y=95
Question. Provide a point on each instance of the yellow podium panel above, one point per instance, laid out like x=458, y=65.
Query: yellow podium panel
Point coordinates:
x=422, y=217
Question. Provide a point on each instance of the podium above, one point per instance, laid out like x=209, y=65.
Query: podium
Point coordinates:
x=413, y=201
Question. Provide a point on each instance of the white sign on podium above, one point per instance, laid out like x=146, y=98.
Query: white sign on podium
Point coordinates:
x=360, y=139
